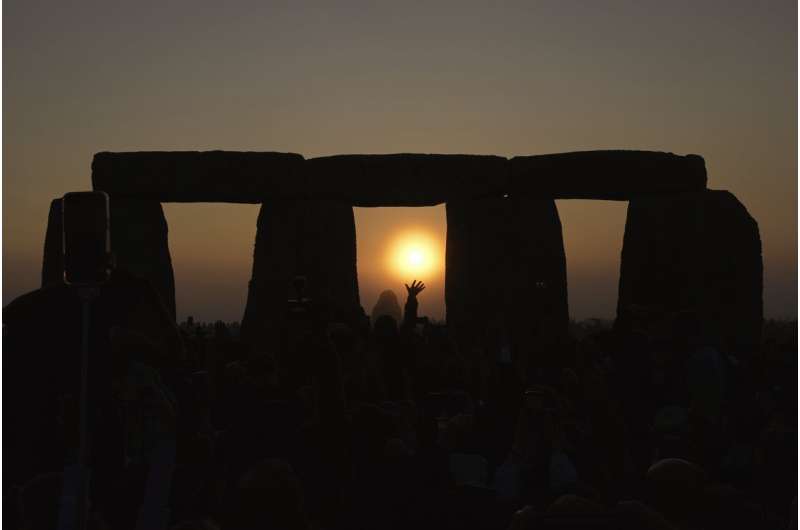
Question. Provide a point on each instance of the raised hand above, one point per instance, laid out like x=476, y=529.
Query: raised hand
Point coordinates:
x=415, y=289
x=410, y=314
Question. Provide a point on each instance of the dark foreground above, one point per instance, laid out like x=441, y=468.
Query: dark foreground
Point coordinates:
x=390, y=425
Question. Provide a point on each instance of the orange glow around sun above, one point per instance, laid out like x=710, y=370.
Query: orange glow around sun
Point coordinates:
x=414, y=255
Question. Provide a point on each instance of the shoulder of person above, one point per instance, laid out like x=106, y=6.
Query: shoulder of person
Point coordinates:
x=36, y=304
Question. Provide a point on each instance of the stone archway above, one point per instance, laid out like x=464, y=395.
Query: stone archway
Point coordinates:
x=504, y=204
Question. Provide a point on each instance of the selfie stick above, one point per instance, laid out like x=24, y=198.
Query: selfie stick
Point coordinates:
x=75, y=490
x=74, y=511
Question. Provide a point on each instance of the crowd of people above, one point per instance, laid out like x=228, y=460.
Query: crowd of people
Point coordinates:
x=387, y=423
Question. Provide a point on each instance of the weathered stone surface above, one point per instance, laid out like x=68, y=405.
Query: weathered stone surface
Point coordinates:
x=610, y=175
x=393, y=179
x=312, y=238
x=139, y=241
x=53, y=260
x=194, y=176
x=539, y=271
x=505, y=262
x=698, y=252
x=407, y=179
x=476, y=270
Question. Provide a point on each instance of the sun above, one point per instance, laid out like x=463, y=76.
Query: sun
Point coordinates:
x=414, y=255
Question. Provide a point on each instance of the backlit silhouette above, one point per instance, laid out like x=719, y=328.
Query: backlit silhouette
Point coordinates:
x=314, y=415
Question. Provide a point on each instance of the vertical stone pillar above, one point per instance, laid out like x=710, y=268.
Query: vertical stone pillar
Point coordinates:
x=505, y=262
x=539, y=303
x=696, y=251
x=313, y=238
x=139, y=241
x=53, y=258
x=476, y=268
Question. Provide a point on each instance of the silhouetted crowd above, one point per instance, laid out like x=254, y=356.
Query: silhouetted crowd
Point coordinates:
x=392, y=424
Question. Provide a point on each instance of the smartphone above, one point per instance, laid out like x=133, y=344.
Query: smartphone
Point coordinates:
x=86, y=238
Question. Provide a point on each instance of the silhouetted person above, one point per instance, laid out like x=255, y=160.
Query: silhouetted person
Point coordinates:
x=39, y=502
x=388, y=305
x=268, y=496
x=343, y=426
x=42, y=342
x=387, y=347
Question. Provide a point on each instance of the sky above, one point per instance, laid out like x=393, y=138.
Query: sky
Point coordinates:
x=716, y=78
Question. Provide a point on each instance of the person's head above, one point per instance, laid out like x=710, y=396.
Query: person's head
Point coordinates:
x=457, y=433
x=575, y=504
x=221, y=331
x=724, y=504
x=387, y=304
x=128, y=345
x=372, y=426
x=269, y=495
x=39, y=502
x=674, y=488
x=343, y=338
x=196, y=524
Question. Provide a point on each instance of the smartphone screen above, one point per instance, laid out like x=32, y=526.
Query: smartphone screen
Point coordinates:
x=86, y=237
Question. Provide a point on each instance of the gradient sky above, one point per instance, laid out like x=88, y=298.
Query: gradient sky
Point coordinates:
x=717, y=78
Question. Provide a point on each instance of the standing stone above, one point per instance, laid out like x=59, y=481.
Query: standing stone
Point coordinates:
x=539, y=272
x=697, y=252
x=476, y=268
x=139, y=241
x=311, y=238
x=505, y=263
x=53, y=259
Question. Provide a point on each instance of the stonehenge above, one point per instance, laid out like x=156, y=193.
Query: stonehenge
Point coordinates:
x=609, y=175
x=685, y=247
x=392, y=180
x=505, y=262
x=407, y=179
x=53, y=261
x=315, y=239
x=699, y=252
x=139, y=236
x=189, y=176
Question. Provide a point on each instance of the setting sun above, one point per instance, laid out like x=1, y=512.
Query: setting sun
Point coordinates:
x=414, y=254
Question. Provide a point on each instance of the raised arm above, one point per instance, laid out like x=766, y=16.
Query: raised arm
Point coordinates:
x=410, y=318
